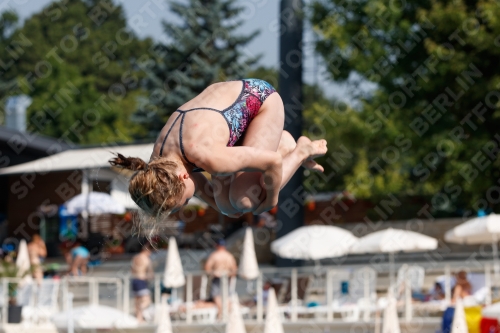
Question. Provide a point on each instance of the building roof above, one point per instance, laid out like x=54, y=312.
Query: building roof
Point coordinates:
x=77, y=159
x=32, y=141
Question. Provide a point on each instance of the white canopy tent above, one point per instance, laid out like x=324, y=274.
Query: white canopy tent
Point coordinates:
x=94, y=203
x=77, y=159
x=94, y=165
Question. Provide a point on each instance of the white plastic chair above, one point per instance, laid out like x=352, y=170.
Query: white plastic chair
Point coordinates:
x=25, y=295
x=45, y=304
x=363, y=284
x=414, y=274
x=362, y=295
x=206, y=315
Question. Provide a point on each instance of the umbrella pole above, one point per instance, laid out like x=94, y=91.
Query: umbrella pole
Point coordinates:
x=174, y=295
x=85, y=215
x=260, y=299
x=391, y=273
x=496, y=267
x=447, y=284
x=294, y=295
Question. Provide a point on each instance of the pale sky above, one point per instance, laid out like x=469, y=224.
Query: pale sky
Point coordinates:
x=145, y=17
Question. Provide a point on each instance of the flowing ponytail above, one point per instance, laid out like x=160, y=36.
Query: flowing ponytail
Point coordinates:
x=130, y=163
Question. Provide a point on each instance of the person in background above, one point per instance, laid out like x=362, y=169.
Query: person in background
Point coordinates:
x=437, y=293
x=265, y=295
x=462, y=287
x=142, y=272
x=77, y=259
x=220, y=262
x=37, y=252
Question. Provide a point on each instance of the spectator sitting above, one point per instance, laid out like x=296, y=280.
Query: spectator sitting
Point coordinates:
x=462, y=287
x=265, y=294
x=437, y=293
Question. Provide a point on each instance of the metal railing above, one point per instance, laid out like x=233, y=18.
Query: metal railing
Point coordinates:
x=120, y=286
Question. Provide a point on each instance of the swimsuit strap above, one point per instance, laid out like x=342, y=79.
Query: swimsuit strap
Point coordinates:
x=194, y=109
x=169, y=130
x=180, y=140
x=182, y=117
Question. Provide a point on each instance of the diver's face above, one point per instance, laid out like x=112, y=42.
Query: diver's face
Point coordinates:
x=188, y=192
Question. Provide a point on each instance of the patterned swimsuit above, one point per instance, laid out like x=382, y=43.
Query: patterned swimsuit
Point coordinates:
x=238, y=116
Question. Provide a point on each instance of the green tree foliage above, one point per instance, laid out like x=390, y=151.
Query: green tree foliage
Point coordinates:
x=431, y=125
x=334, y=121
x=76, y=61
x=8, y=23
x=202, y=49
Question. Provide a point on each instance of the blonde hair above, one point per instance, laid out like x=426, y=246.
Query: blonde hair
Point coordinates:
x=154, y=187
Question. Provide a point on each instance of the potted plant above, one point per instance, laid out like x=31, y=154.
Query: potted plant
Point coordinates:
x=10, y=270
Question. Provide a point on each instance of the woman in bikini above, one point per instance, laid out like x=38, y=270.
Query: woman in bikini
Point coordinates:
x=233, y=131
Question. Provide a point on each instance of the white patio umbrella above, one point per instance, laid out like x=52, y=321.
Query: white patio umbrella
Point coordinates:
x=23, y=262
x=479, y=230
x=94, y=203
x=95, y=316
x=173, y=276
x=235, y=323
x=314, y=242
x=164, y=323
x=392, y=241
x=248, y=268
x=459, y=324
x=391, y=321
x=273, y=322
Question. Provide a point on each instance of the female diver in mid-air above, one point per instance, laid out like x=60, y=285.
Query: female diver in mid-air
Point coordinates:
x=232, y=130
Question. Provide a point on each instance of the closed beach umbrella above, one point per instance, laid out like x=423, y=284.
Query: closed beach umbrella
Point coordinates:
x=314, y=242
x=164, y=323
x=273, y=322
x=391, y=320
x=173, y=276
x=459, y=324
x=235, y=323
x=392, y=241
x=94, y=203
x=479, y=230
x=23, y=261
x=249, y=268
x=95, y=317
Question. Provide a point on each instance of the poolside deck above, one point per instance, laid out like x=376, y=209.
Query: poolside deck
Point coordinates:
x=417, y=325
